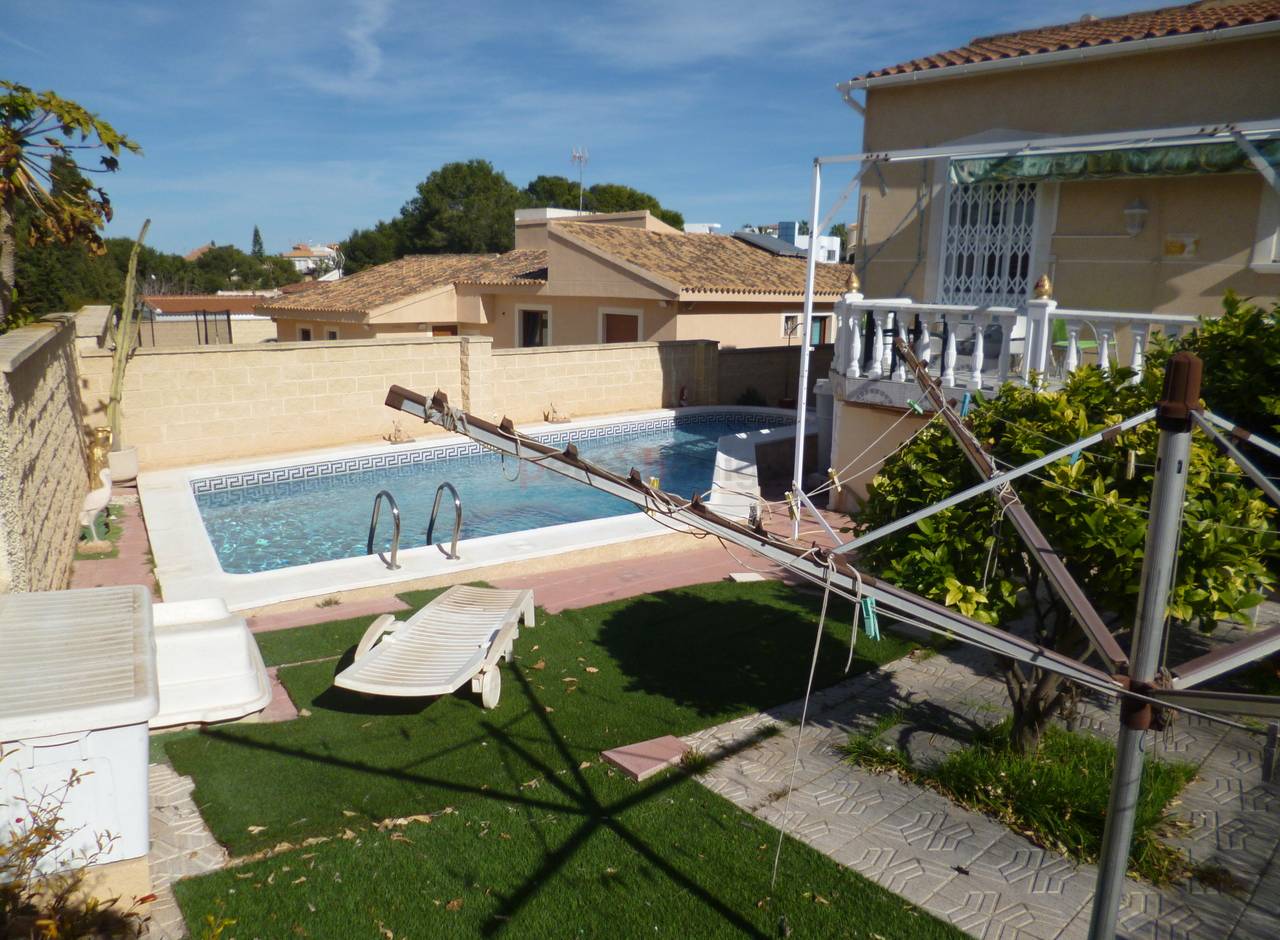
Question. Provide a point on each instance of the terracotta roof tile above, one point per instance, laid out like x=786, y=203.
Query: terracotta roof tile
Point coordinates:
x=706, y=263
x=1130, y=27
x=415, y=274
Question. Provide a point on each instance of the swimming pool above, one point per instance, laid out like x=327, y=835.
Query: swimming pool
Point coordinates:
x=208, y=524
x=261, y=521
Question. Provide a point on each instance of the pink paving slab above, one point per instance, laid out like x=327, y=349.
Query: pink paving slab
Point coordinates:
x=643, y=760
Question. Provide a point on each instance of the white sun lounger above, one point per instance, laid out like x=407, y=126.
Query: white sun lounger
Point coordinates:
x=459, y=636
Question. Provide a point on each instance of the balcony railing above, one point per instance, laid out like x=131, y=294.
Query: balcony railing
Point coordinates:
x=984, y=347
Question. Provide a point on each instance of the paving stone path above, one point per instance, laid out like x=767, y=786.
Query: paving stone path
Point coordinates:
x=181, y=845
x=971, y=870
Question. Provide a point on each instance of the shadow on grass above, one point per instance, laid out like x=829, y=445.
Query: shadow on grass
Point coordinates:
x=578, y=797
x=719, y=654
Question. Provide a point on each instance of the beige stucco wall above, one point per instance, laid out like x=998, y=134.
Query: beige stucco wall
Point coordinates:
x=855, y=427
x=745, y=325
x=188, y=405
x=43, y=463
x=575, y=321
x=772, y=371
x=583, y=381
x=1209, y=83
x=199, y=404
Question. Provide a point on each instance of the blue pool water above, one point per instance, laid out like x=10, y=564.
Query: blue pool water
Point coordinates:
x=322, y=512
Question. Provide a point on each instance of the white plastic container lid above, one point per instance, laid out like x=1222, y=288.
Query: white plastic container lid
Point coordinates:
x=74, y=661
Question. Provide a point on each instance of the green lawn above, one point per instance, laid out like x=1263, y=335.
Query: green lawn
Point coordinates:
x=530, y=833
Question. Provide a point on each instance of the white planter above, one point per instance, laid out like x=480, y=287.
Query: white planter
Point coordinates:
x=123, y=464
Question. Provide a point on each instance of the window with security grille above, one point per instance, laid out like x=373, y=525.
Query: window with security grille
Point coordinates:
x=988, y=243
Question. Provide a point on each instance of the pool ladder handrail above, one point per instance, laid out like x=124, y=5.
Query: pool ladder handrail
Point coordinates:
x=395, y=529
x=452, y=554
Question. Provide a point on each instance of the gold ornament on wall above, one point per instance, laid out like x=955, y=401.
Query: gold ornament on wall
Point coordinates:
x=1044, y=288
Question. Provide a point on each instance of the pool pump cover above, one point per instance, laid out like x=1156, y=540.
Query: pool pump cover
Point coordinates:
x=77, y=688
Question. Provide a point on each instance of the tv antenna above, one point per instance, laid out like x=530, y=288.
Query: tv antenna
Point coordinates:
x=579, y=156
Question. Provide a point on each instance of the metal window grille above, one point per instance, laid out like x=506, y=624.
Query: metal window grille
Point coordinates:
x=987, y=247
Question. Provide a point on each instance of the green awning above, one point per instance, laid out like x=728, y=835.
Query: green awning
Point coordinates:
x=1182, y=160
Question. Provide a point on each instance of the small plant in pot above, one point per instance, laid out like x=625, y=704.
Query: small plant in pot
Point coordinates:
x=122, y=460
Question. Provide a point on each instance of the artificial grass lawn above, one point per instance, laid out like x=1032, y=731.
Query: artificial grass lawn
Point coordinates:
x=544, y=839
x=1057, y=796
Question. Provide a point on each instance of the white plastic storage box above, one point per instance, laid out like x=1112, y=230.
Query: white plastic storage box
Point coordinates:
x=208, y=665
x=77, y=688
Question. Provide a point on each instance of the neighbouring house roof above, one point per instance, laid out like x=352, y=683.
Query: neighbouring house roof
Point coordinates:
x=297, y=287
x=310, y=251
x=1089, y=31
x=415, y=274
x=213, y=303
x=697, y=263
x=195, y=253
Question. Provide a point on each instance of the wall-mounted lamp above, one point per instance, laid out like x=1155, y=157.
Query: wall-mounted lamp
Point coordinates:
x=1135, y=217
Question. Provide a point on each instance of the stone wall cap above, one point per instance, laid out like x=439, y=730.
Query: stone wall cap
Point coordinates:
x=17, y=346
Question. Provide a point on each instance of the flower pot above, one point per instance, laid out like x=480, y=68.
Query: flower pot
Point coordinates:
x=123, y=464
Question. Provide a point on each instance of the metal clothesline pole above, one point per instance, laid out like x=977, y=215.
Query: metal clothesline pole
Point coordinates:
x=1168, y=493
x=802, y=393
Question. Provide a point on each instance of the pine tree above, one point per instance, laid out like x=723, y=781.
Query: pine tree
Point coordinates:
x=257, y=250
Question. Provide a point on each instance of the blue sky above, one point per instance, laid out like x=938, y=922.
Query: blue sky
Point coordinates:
x=308, y=119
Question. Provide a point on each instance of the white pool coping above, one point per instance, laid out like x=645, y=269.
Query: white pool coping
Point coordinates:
x=187, y=566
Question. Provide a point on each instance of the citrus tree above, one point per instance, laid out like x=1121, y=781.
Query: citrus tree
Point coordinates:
x=45, y=145
x=1092, y=509
x=1241, y=354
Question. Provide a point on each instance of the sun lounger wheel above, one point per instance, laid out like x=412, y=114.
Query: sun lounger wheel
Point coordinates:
x=490, y=686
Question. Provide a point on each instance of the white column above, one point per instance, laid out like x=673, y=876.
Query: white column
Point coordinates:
x=840, y=354
x=877, y=344
x=1138, y=358
x=924, y=343
x=979, y=352
x=854, y=349
x=1036, y=353
x=887, y=341
x=900, y=370
x=1104, y=349
x=1073, y=347
x=1006, y=348
x=948, y=354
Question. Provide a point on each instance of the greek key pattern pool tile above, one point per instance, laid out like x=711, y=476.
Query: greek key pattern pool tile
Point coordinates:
x=405, y=456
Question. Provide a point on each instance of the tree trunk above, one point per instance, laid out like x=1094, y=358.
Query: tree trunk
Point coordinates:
x=8, y=259
x=1029, y=721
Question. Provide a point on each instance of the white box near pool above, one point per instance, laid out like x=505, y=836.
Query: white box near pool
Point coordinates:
x=77, y=688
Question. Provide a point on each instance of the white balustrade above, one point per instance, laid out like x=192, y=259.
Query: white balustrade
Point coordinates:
x=886, y=343
x=948, y=353
x=924, y=343
x=877, y=343
x=870, y=326
x=1073, y=347
x=899, y=331
x=979, y=351
x=1104, y=349
x=1138, y=353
